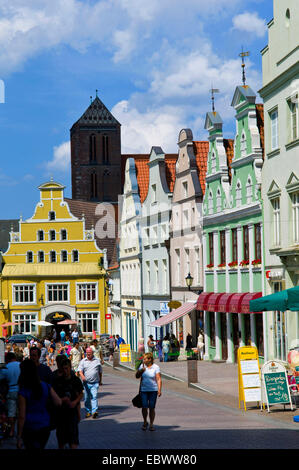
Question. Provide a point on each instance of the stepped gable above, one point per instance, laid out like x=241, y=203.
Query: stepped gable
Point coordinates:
x=97, y=113
x=201, y=151
x=260, y=125
x=142, y=171
x=78, y=208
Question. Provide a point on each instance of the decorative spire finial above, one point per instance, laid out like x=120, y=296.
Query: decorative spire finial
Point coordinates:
x=244, y=54
x=90, y=99
x=213, y=91
x=97, y=93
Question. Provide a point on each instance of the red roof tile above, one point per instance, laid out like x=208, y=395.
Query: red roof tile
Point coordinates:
x=260, y=124
x=201, y=150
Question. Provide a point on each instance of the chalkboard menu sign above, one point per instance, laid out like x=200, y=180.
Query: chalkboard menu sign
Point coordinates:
x=275, y=384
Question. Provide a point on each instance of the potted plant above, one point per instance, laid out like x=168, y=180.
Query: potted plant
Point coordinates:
x=244, y=262
x=256, y=262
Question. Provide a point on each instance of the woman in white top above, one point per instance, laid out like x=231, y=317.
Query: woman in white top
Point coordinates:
x=200, y=344
x=150, y=389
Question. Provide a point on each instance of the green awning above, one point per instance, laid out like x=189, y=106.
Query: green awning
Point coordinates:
x=284, y=300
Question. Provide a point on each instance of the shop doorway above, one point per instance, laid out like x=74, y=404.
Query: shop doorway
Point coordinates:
x=55, y=318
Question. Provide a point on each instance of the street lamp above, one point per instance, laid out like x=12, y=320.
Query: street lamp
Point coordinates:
x=189, y=281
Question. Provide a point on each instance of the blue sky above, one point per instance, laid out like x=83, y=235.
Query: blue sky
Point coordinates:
x=152, y=62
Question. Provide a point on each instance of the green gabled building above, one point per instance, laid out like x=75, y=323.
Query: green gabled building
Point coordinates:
x=232, y=231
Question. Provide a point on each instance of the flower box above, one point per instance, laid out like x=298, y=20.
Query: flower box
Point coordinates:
x=256, y=262
x=233, y=264
x=209, y=266
x=222, y=265
x=244, y=262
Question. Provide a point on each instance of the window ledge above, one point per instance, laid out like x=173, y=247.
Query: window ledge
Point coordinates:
x=273, y=153
x=292, y=144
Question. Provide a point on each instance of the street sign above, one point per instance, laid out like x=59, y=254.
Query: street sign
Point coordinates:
x=125, y=353
x=174, y=304
x=164, y=308
x=249, y=375
x=275, y=384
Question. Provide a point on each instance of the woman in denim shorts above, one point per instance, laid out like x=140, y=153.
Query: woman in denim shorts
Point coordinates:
x=150, y=389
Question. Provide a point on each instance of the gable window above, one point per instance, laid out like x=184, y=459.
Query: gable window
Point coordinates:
x=213, y=162
x=41, y=257
x=211, y=248
x=63, y=234
x=210, y=203
x=40, y=235
x=154, y=193
x=276, y=221
x=57, y=293
x=63, y=256
x=52, y=257
x=245, y=243
x=274, y=129
x=238, y=194
x=185, y=189
x=29, y=257
x=52, y=235
x=218, y=200
x=249, y=190
x=295, y=216
x=243, y=145
x=52, y=215
x=75, y=256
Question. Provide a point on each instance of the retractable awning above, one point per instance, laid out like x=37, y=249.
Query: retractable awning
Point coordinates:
x=174, y=315
x=234, y=305
x=224, y=302
x=202, y=300
x=213, y=302
x=284, y=300
x=245, y=305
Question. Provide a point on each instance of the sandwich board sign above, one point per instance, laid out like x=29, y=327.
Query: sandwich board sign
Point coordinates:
x=276, y=389
x=249, y=375
x=125, y=353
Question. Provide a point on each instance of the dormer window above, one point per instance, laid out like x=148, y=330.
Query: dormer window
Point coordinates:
x=52, y=215
x=29, y=257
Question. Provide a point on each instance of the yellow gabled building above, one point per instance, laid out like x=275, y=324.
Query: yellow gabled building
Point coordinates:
x=53, y=270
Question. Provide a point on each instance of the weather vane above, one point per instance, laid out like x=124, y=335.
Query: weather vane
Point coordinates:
x=213, y=91
x=243, y=55
x=97, y=93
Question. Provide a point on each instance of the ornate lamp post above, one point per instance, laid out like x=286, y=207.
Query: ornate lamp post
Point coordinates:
x=189, y=281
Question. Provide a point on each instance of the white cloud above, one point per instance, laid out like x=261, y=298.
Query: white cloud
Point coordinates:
x=250, y=22
x=61, y=158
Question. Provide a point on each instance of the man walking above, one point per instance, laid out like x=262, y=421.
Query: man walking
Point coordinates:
x=119, y=340
x=62, y=337
x=90, y=370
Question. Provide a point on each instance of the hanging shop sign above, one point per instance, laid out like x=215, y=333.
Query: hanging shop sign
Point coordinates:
x=125, y=353
x=249, y=375
x=173, y=304
x=276, y=390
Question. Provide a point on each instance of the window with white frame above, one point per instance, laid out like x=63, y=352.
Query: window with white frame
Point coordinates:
x=148, y=275
x=75, y=256
x=187, y=260
x=154, y=193
x=52, y=215
x=41, y=257
x=40, y=235
x=52, y=257
x=63, y=256
x=238, y=194
x=243, y=145
x=52, y=235
x=156, y=269
x=295, y=216
x=165, y=275
x=249, y=190
x=210, y=203
x=88, y=321
x=274, y=129
x=57, y=292
x=293, y=120
x=213, y=162
x=25, y=322
x=218, y=200
x=178, y=266
x=29, y=257
x=63, y=234
x=87, y=292
x=197, y=267
x=24, y=294
x=276, y=221
x=185, y=189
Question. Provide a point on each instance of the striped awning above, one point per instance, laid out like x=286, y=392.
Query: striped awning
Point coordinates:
x=174, y=315
x=202, y=300
x=234, y=305
x=213, y=302
x=246, y=299
x=224, y=302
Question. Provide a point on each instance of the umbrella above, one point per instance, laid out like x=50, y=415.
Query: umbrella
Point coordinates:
x=42, y=323
x=67, y=322
x=284, y=300
x=9, y=323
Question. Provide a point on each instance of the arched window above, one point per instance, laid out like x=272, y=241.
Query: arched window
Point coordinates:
x=63, y=256
x=93, y=187
x=75, y=256
x=249, y=190
x=243, y=145
x=210, y=203
x=40, y=235
x=63, y=234
x=52, y=235
x=29, y=257
x=238, y=194
x=213, y=162
x=41, y=257
x=92, y=148
x=105, y=145
x=52, y=257
x=218, y=200
x=52, y=215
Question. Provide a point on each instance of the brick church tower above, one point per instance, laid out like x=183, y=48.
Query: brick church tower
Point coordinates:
x=96, y=155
